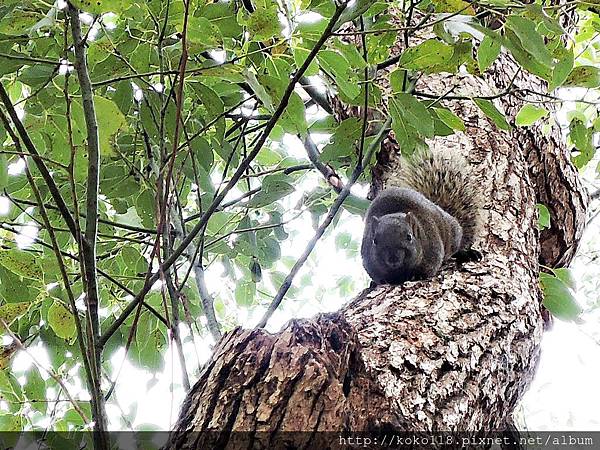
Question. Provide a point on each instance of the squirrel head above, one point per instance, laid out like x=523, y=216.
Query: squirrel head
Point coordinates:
x=394, y=241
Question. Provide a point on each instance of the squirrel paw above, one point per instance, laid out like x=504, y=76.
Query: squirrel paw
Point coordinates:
x=468, y=255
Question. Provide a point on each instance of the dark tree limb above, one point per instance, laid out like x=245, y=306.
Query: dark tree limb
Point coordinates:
x=89, y=238
x=39, y=162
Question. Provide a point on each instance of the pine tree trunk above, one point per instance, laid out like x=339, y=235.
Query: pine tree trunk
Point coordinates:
x=451, y=353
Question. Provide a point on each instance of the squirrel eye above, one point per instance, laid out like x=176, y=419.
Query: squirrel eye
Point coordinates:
x=409, y=237
x=375, y=241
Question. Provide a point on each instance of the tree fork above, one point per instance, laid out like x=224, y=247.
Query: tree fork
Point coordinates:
x=455, y=352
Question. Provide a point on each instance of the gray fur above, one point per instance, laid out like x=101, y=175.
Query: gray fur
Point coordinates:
x=411, y=230
x=447, y=180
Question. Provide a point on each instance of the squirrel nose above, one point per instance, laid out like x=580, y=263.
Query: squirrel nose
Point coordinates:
x=393, y=259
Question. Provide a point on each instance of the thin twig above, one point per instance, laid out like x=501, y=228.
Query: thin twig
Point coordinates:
x=57, y=252
x=287, y=283
x=39, y=162
x=50, y=373
x=238, y=174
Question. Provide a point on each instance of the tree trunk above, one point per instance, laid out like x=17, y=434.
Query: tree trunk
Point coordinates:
x=455, y=352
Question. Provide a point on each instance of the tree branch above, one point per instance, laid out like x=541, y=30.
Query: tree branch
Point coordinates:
x=319, y=97
x=88, y=240
x=50, y=373
x=285, y=286
x=232, y=182
x=58, y=254
x=39, y=162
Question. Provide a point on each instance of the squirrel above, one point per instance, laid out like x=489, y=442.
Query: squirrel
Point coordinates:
x=410, y=230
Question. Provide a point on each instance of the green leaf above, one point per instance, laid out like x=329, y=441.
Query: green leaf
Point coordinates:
x=450, y=119
x=561, y=71
x=259, y=90
x=123, y=96
x=61, y=321
x=244, y=293
x=406, y=135
x=356, y=205
x=558, y=299
x=73, y=417
x=583, y=76
x=220, y=223
x=3, y=171
x=150, y=343
x=18, y=22
x=9, y=66
x=488, y=51
x=397, y=80
x=352, y=54
x=133, y=261
x=35, y=389
x=566, y=276
x=543, y=216
x=203, y=152
x=36, y=76
x=492, y=112
x=596, y=125
x=11, y=422
x=453, y=6
x=462, y=55
x=531, y=40
x=202, y=34
x=550, y=23
x=582, y=137
x=426, y=55
x=343, y=241
x=110, y=121
x=10, y=390
x=22, y=263
x=11, y=311
x=269, y=251
x=264, y=23
x=274, y=188
x=353, y=11
x=528, y=61
x=214, y=107
x=223, y=15
x=145, y=207
x=294, y=117
x=415, y=113
x=102, y=6
x=300, y=55
x=338, y=66
x=14, y=288
x=529, y=114
x=342, y=142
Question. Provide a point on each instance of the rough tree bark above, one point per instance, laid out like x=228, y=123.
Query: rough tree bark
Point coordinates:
x=452, y=353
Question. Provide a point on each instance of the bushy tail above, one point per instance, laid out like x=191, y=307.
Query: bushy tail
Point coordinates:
x=446, y=179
